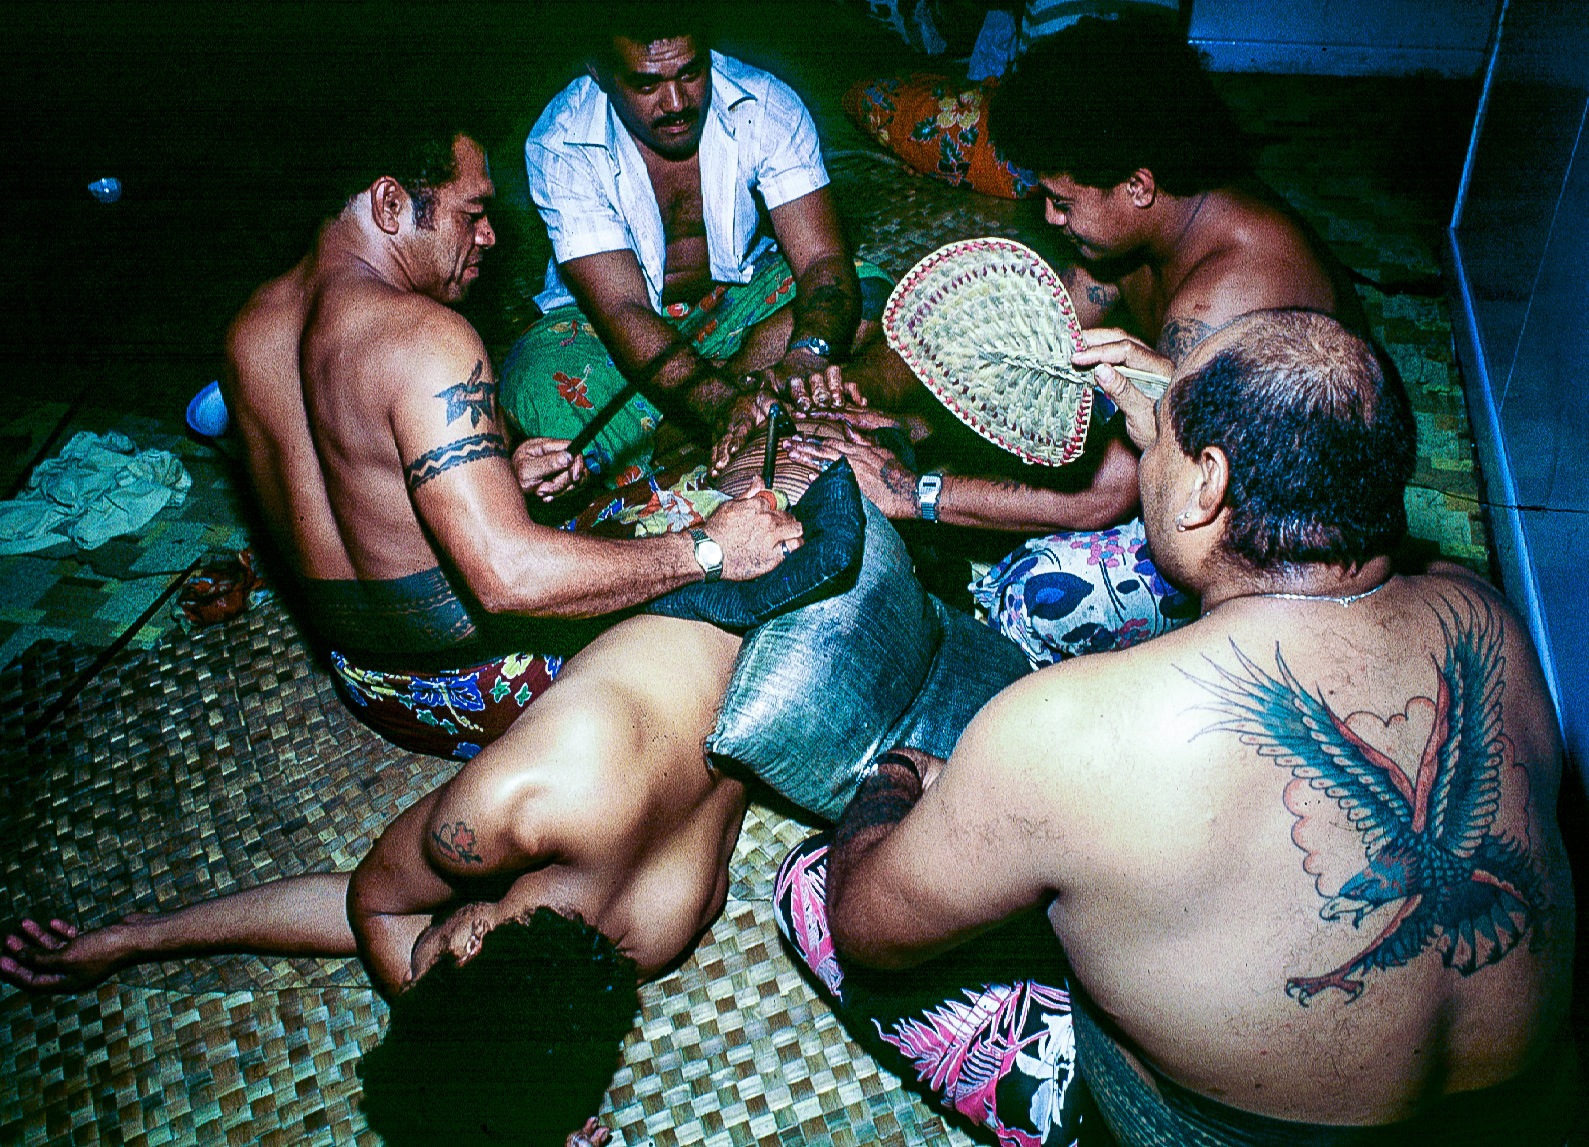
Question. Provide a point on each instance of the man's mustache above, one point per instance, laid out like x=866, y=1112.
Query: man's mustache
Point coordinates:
x=688, y=116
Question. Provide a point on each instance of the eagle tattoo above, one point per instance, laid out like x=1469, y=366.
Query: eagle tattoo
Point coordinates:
x=1428, y=831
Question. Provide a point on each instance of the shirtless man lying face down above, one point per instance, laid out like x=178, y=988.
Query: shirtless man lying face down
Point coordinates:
x=509, y=915
x=584, y=845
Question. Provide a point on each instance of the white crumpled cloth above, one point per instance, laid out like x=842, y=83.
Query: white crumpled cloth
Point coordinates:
x=98, y=487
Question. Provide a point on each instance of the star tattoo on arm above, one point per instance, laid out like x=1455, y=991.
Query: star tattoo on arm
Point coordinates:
x=476, y=397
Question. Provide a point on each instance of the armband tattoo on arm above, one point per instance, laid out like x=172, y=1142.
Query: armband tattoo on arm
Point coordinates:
x=459, y=453
x=477, y=398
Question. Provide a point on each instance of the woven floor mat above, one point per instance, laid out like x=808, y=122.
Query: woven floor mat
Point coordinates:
x=215, y=761
x=895, y=218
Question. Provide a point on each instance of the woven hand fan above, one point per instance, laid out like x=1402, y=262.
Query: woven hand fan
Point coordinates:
x=988, y=327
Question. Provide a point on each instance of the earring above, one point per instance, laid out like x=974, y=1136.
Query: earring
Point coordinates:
x=1180, y=522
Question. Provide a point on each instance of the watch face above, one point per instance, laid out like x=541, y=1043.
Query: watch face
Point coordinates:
x=708, y=553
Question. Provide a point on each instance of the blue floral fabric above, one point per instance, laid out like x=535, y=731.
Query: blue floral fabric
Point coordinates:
x=1067, y=594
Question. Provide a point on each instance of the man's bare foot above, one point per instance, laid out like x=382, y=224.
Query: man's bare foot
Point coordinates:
x=58, y=957
x=593, y=1134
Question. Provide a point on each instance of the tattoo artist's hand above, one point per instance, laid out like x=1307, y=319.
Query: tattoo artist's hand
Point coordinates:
x=806, y=380
x=755, y=535
x=738, y=423
x=880, y=474
x=593, y=1134
x=545, y=468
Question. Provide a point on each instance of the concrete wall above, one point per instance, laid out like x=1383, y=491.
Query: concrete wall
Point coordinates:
x=1519, y=251
x=1345, y=37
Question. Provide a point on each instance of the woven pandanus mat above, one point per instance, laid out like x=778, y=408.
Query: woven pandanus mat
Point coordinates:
x=895, y=219
x=222, y=759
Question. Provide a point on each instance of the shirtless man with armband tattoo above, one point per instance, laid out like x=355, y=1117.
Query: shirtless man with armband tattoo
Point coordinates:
x=374, y=440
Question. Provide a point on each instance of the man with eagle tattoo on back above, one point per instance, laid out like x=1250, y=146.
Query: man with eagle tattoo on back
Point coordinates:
x=1302, y=854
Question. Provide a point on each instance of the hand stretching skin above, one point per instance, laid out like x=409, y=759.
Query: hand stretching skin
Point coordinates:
x=545, y=468
x=755, y=536
x=739, y=422
x=810, y=383
x=882, y=477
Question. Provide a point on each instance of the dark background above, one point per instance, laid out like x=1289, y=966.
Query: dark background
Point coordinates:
x=213, y=116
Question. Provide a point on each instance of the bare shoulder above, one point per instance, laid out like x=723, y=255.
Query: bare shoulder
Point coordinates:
x=1258, y=257
x=393, y=344
x=1085, y=723
x=273, y=316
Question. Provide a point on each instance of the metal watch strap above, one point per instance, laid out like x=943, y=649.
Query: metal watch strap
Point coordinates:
x=815, y=345
x=928, y=488
x=713, y=569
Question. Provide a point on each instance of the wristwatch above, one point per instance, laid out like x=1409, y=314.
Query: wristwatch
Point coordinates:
x=928, y=487
x=816, y=346
x=708, y=553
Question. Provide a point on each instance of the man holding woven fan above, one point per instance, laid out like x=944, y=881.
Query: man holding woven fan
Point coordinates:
x=1150, y=183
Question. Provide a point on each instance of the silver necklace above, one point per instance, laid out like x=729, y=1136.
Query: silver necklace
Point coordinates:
x=1340, y=601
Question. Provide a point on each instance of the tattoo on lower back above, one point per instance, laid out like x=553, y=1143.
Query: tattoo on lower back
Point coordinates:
x=477, y=398
x=1441, y=870
x=884, y=797
x=465, y=450
x=457, y=843
x=1180, y=335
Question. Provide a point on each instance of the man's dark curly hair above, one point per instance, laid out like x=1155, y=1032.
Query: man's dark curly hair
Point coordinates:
x=1105, y=96
x=414, y=147
x=1320, y=437
x=644, y=22
x=517, y=1045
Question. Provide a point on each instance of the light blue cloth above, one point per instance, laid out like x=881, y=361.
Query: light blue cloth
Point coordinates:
x=97, y=488
x=819, y=693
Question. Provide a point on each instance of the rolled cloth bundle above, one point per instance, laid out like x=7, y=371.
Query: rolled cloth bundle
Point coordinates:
x=988, y=328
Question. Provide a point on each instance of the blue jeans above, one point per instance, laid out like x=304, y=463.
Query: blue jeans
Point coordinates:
x=819, y=692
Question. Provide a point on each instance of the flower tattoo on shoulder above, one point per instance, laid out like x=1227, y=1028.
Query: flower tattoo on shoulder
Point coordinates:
x=457, y=843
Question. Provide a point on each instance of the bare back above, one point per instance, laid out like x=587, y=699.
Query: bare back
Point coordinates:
x=318, y=360
x=1311, y=867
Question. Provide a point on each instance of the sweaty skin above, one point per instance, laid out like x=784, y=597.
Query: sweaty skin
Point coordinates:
x=368, y=408
x=1303, y=854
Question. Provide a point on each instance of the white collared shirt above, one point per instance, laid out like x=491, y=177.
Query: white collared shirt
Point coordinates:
x=590, y=184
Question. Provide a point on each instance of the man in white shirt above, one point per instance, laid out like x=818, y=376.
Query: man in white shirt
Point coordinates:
x=651, y=173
